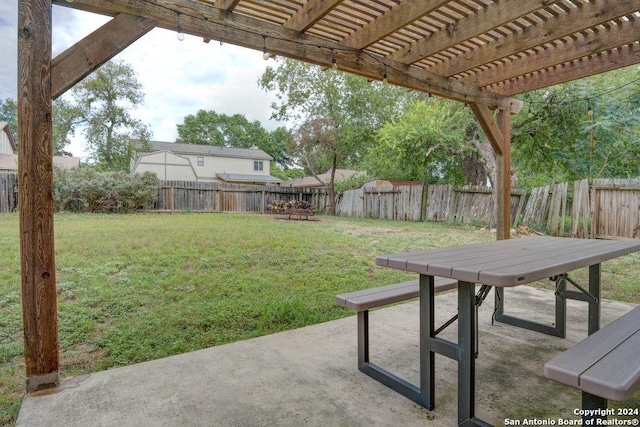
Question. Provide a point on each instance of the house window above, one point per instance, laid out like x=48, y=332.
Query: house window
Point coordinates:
x=200, y=161
x=257, y=165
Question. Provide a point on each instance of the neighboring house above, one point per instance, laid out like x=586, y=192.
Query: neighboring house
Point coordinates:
x=185, y=162
x=7, y=146
x=9, y=160
x=311, y=181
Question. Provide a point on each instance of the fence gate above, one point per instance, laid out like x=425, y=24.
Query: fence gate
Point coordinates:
x=616, y=208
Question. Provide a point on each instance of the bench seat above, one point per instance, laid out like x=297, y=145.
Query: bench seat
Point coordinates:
x=377, y=297
x=364, y=300
x=605, y=364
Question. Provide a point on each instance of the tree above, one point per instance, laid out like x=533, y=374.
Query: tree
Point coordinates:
x=335, y=114
x=9, y=114
x=221, y=130
x=102, y=103
x=64, y=121
x=428, y=143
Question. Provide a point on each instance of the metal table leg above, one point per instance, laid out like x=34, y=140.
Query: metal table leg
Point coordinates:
x=594, y=303
x=427, y=327
x=466, y=356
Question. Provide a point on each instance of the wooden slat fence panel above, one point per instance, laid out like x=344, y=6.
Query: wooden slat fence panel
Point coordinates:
x=616, y=208
x=351, y=204
x=8, y=192
x=537, y=205
x=440, y=202
x=557, y=209
x=580, y=209
x=473, y=203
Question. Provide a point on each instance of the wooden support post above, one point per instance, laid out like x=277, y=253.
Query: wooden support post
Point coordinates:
x=503, y=162
x=35, y=171
x=499, y=134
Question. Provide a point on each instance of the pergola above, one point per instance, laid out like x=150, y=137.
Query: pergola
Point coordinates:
x=481, y=52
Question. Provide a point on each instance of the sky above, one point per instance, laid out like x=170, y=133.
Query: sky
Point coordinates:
x=178, y=77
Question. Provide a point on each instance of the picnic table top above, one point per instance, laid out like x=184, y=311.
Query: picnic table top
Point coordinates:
x=510, y=262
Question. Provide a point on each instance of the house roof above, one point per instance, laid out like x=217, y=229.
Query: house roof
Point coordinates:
x=4, y=127
x=230, y=177
x=311, y=181
x=209, y=150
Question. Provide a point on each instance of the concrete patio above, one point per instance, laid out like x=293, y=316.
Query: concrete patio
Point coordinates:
x=309, y=376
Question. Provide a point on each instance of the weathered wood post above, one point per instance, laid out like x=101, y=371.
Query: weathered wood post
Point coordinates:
x=503, y=162
x=35, y=175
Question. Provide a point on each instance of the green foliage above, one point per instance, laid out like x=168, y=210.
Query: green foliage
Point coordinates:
x=336, y=114
x=422, y=145
x=354, y=181
x=221, y=130
x=9, y=114
x=356, y=107
x=90, y=190
x=101, y=105
x=581, y=129
x=285, y=174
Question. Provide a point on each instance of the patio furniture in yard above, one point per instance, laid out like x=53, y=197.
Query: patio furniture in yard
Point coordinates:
x=364, y=300
x=504, y=263
x=605, y=365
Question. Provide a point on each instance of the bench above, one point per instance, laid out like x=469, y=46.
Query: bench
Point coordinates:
x=364, y=300
x=300, y=213
x=605, y=365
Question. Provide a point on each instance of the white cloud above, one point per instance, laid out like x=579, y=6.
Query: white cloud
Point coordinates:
x=178, y=78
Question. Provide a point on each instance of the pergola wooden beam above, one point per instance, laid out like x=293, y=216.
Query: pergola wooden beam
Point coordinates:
x=227, y=4
x=81, y=59
x=310, y=13
x=216, y=24
x=403, y=14
x=491, y=17
x=584, y=67
x=578, y=46
x=35, y=171
x=575, y=20
x=498, y=132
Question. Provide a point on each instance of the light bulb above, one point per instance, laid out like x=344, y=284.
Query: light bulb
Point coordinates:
x=334, y=64
x=265, y=53
x=384, y=78
x=179, y=33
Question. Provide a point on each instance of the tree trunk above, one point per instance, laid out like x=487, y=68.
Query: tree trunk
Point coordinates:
x=474, y=169
x=331, y=189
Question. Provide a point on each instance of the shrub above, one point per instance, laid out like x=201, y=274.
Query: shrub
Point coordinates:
x=88, y=190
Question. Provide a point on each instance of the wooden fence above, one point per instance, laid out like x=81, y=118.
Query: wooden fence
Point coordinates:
x=606, y=208
x=8, y=192
x=189, y=196
x=438, y=202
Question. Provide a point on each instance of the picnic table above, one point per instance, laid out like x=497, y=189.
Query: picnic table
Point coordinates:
x=501, y=264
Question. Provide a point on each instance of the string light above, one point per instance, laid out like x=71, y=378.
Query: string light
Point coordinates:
x=265, y=52
x=430, y=94
x=384, y=76
x=334, y=63
x=180, y=34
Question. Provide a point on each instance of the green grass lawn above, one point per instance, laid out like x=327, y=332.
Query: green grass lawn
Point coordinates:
x=133, y=288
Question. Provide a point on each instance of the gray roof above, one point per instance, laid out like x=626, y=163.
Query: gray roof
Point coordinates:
x=248, y=178
x=210, y=150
